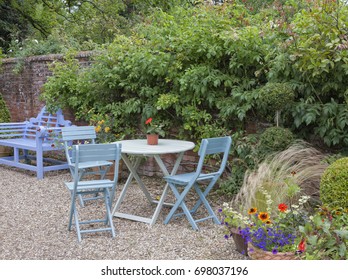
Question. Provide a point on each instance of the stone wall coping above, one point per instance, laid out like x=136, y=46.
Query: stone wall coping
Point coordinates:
x=46, y=57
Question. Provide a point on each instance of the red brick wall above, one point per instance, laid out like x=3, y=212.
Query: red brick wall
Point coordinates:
x=21, y=93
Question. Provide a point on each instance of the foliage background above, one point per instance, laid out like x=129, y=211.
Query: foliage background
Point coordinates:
x=202, y=68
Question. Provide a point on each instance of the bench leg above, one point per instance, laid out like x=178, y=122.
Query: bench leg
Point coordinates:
x=16, y=154
x=39, y=164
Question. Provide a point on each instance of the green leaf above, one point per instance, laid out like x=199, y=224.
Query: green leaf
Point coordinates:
x=342, y=250
x=313, y=240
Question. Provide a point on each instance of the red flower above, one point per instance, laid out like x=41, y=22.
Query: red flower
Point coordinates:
x=52, y=145
x=282, y=207
x=302, y=245
x=148, y=121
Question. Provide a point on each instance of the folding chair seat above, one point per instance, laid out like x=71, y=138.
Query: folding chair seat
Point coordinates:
x=83, y=135
x=105, y=188
x=187, y=181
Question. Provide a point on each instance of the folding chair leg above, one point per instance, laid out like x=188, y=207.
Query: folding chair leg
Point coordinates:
x=203, y=200
x=205, y=193
x=77, y=225
x=180, y=203
x=108, y=220
x=72, y=211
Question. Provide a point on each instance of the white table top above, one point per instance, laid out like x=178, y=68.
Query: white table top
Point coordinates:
x=165, y=146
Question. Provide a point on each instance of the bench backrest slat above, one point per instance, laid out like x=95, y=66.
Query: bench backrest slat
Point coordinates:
x=46, y=120
x=29, y=129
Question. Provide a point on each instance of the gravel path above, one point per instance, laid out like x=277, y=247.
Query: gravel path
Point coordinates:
x=34, y=217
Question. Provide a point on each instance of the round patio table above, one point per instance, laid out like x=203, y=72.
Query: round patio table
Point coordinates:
x=139, y=148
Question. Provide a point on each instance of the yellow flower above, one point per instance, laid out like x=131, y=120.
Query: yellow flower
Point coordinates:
x=263, y=216
x=107, y=129
x=252, y=211
x=101, y=122
x=98, y=128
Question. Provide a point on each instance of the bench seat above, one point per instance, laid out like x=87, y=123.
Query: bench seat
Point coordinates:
x=38, y=135
x=23, y=143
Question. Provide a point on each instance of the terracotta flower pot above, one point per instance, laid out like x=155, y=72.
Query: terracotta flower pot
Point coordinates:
x=152, y=139
x=259, y=254
x=239, y=241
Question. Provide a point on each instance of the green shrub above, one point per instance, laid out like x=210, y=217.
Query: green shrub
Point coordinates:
x=244, y=156
x=334, y=184
x=4, y=112
x=250, y=150
x=274, y=139
x=275, y=97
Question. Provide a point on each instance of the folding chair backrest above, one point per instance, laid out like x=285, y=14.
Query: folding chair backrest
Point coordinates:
x=212, y=146
x=83, y=134
x=99, y=187
x=96, y=152
x=74, y=133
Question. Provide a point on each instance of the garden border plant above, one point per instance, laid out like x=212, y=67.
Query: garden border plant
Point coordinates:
x=201, y=69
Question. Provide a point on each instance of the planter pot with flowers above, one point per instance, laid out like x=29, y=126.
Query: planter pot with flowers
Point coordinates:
x=153, y=131
x=270, y=235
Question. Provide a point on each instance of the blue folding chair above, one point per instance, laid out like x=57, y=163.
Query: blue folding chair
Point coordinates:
x=187, y=181
x=83, y=135
x=103, y=188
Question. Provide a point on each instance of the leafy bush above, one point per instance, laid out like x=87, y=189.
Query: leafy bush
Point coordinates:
x=248, y=151
x=326, y=235
x=244, y=154
x=274, y=139
x=201, y=69
x=329, y=121
x=333, y=184
x=5, y=116
x=275, y=97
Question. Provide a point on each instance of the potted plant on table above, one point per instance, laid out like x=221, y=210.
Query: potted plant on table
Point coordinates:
x=153, y=131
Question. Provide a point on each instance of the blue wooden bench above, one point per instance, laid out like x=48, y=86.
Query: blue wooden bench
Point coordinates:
x=37, y=135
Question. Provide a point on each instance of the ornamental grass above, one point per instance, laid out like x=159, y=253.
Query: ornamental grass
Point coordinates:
x=300, y=165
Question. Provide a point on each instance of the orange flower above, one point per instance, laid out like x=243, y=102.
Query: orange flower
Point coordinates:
x=252, y=211
x=268, y=222
x=263, y=216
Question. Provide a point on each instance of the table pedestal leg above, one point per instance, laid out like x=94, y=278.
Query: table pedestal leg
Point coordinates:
x=133, y=174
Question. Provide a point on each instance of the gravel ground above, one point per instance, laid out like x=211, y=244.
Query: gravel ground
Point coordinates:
x=34, y=220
